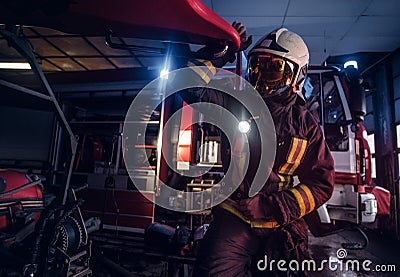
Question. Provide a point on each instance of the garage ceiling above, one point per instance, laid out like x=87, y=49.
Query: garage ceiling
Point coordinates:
x=330, y=28
x=57, y=51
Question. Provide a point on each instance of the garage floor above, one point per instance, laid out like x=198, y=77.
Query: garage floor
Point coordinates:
x=119, y=254
x=383, y=253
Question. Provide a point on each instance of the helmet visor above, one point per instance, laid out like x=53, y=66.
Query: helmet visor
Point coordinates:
x=269, y=73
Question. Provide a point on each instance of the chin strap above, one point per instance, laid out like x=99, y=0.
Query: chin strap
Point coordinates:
x=283, y=90
x=278, y=92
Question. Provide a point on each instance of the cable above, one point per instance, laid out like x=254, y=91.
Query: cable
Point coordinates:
x=357, y=245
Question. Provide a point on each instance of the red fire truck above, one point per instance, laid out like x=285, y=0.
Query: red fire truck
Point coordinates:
x=336, y=99
x=334, y=96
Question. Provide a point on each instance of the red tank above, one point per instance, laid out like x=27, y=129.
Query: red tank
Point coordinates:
x=21, y=199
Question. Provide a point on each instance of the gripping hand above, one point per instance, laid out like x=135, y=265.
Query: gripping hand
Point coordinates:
x=245, y=41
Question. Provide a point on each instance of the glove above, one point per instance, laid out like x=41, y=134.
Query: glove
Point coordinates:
x=245, y=41
x=209, y=52
x=242, y=31
x=253, y=208
x=258, y=207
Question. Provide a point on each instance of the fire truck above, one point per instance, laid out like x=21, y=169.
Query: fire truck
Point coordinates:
x=335, y=97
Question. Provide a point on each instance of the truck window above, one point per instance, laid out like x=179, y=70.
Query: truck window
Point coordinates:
x=312, y=95
x=336, y=132
x=332, y=103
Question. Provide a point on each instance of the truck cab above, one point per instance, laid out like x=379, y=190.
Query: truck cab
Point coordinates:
x=328, y=93
x=336, y=99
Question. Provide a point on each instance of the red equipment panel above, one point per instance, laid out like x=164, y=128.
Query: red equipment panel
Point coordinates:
x=123, y=208
x=174, y=20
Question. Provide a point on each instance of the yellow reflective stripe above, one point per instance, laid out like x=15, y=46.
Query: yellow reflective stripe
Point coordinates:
x=203, y=75
x=310, y=196
x=299, y=156
x=293, y=150
x=283, y=168
x=253, y=224
x=205, y=71
x=281, y=183
x=295, y=156
x=285, y=181
x=300, y=201
x=290, y=157
x=210, y=66
x=265, y=224
x=288, y=181
x=231, y=201
x=235, y=212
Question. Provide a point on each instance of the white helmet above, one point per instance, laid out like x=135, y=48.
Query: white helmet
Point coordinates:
x=278, y=61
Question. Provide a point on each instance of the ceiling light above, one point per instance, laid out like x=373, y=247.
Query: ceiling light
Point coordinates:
x=351, y=63
x=19, y=65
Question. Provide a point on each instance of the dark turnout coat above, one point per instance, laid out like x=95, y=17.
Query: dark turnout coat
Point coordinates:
x=300, y=151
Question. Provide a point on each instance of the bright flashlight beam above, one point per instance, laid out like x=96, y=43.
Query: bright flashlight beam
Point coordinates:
x=244, y=127
x=164, y=74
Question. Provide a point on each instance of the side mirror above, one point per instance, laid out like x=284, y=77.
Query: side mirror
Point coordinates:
x=357, y=101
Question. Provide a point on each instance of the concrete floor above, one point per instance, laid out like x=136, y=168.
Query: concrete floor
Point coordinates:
x=383, y=254
x=128, y=252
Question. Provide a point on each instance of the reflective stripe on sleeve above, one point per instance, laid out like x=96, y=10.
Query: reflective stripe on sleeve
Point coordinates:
x=304, y=198
x=205, y=69
x=310, y=197
x=296, y=153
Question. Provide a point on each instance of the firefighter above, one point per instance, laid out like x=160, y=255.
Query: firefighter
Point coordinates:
x=248, y=232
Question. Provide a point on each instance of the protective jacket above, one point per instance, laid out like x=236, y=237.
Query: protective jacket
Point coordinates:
x=300, y=151
x=233, y=243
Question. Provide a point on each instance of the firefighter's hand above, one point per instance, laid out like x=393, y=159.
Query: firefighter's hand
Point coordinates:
x=254, y=207
x=245, y=41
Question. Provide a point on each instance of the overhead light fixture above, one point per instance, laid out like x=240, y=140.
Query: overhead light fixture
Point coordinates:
x=14, y=65
x=164, y=74
x=351, y=63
